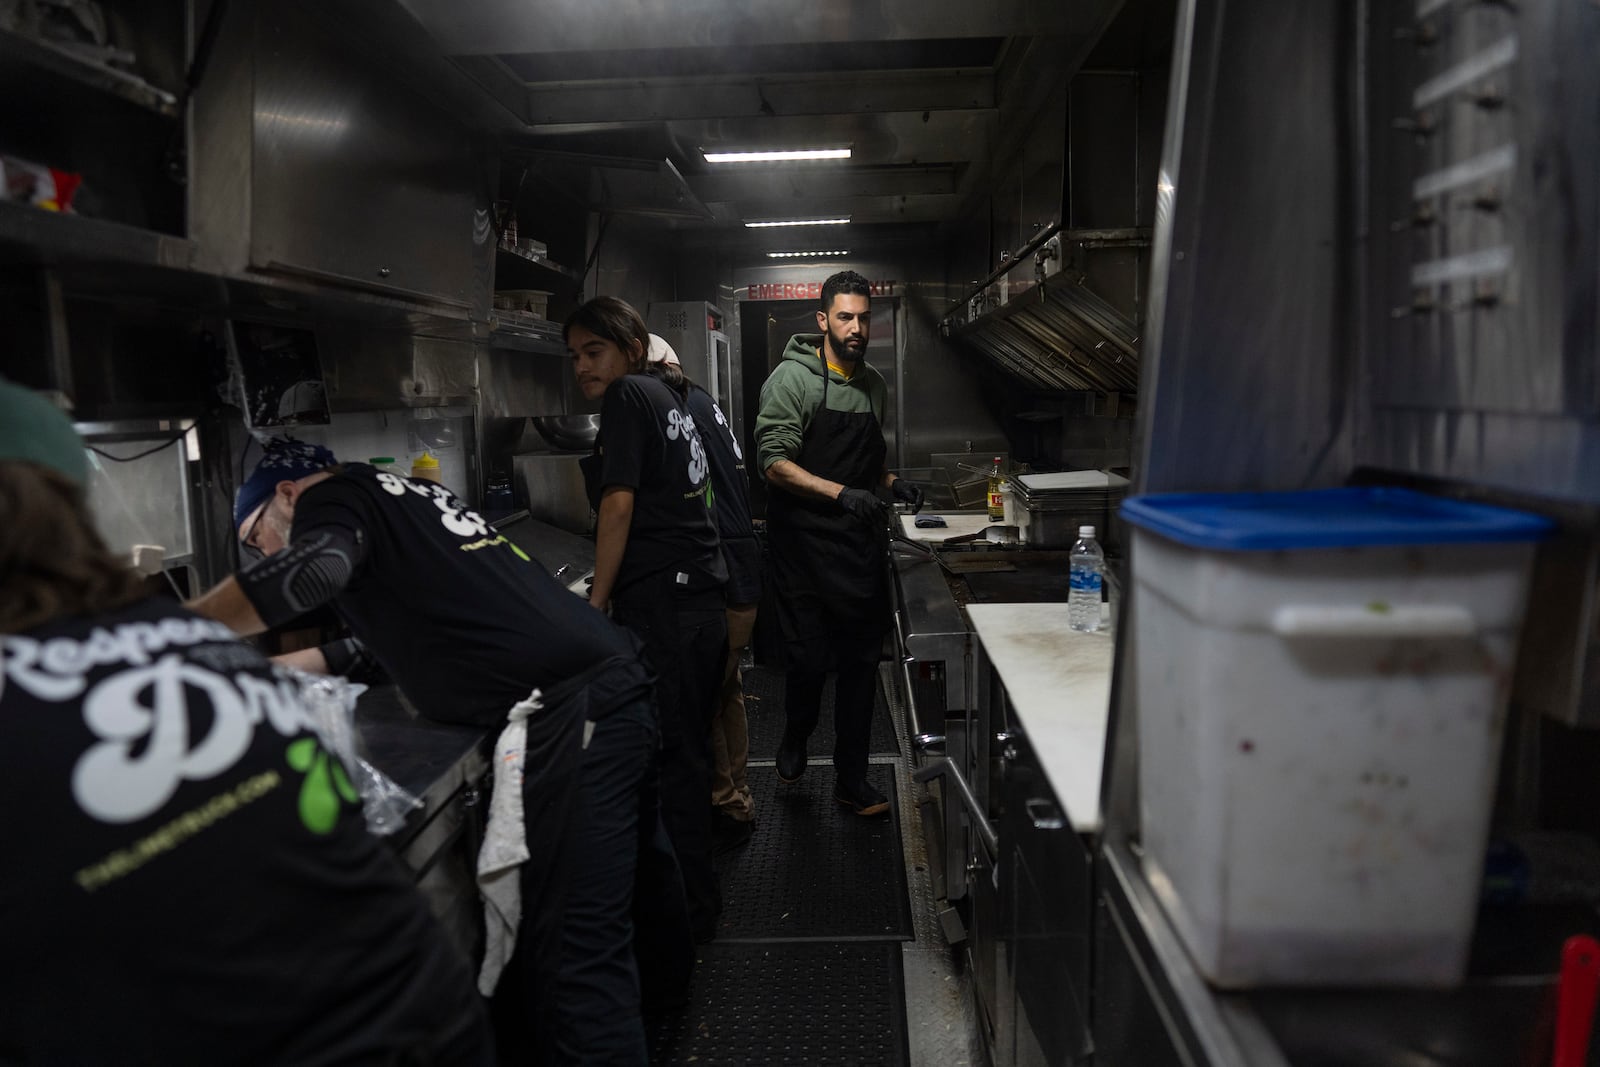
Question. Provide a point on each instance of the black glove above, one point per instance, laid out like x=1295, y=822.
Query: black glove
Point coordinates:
x=907, y=493
x=862, y=504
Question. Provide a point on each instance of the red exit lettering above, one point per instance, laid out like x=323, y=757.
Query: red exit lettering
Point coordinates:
x=807, y=290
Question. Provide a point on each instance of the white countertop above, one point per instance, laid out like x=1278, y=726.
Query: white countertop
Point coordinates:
x=957, y=523
x=1059, y=682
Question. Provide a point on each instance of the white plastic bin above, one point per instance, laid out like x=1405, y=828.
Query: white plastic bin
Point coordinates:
x=1322, y=682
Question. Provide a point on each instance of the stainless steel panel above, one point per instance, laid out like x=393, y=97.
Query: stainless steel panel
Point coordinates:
x=1498, y=191
x=1497, y=383
x=551, y=485
x=1249, y=342
x=1153, y=1007
x=1047, y=908
x=935, y=631
x=514, y=384
x=355, y=177
x=312, y=157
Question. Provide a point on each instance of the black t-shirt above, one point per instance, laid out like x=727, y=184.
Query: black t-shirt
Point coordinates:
x=648, y=443
x=731, y=487
x=188, y=879
x=464, y=621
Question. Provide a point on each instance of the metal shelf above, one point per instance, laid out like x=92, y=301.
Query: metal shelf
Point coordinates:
x=53, y=237
x=539, y=261
x=508, y=329
x=63, y=62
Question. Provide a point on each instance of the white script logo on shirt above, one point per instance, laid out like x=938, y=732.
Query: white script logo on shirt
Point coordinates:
x=456, y=516
x=681, y=425
x=733, y=438
x=145, y=707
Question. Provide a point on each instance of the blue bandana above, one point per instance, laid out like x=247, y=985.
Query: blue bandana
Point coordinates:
x=285, y=461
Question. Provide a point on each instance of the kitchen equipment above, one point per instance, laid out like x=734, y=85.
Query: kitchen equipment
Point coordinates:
x=1321, y=684
x=497, y=495
x=694, y=329
x=1050, y=508
x=568, y=432
x=552, y=485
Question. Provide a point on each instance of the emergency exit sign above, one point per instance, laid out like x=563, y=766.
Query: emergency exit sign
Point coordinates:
x=806, y=290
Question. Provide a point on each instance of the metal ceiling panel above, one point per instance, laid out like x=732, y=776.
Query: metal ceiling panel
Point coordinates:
x=509, y=26
x=841, y=57
x=878, y=139
x=821, y=181
x=877, y=209
x=734, y=96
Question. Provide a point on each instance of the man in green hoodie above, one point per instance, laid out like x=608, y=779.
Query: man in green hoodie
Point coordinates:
x=819, y=437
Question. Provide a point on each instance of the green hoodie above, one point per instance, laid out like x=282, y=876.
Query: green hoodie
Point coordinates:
x=793, y=393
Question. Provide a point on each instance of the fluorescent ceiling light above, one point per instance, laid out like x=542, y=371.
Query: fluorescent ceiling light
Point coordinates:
x=775, y=157
x=806, y=255
x=796, y=222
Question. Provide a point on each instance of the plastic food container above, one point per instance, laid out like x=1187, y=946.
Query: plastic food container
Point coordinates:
x=1322, y=679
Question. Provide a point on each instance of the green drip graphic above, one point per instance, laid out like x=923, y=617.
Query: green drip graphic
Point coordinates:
x=325, y=783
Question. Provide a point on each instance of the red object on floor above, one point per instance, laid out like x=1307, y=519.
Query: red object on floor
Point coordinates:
x=1580, y=980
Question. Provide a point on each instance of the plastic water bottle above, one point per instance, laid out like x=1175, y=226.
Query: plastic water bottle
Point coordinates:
x=1088, y=574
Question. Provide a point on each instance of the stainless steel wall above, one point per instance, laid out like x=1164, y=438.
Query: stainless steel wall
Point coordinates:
x=310, y=157
x=1250, y=342
x=933, y=394
x=1482, y=361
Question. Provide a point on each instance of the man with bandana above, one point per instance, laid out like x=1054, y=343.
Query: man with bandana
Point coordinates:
x=475, y=631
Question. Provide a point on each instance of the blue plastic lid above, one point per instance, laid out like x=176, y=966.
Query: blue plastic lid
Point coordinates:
x=1327, y=518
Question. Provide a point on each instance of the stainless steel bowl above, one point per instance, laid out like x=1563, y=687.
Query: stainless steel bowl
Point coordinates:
x=570, y=432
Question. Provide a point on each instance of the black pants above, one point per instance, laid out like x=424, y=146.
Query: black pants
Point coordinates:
x=685, y=635
x=570, y=994
x=823, y=635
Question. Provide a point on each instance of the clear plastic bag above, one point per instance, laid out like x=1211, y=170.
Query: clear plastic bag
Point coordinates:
x=331, y=701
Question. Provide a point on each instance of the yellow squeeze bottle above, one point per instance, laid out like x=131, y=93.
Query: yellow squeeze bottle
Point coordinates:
x=425, y=466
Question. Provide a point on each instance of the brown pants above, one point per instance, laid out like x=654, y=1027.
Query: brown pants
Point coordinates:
x=730, y=740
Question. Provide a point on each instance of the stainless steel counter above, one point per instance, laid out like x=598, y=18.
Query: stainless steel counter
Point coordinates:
x=1153, y=1007
x=555, y=549
x=430, y=760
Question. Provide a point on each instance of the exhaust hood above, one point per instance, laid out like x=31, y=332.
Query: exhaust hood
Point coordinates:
x=1058, y=335
x=615, y=185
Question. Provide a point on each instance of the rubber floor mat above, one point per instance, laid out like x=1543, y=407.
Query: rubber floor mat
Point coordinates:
x=763, y=705
x=814, y=870
x=790, y=1004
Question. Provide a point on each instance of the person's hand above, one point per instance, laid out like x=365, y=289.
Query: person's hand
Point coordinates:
x=862, y=504
x=907, y=493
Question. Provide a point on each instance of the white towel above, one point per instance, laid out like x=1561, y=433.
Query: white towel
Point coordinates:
x=505, y=847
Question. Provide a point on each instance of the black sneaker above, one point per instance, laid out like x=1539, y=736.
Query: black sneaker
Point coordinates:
x=791, y=761
x=728, y=833
x=859, y=797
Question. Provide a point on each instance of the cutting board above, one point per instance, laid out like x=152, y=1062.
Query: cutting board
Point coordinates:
x=957, y=523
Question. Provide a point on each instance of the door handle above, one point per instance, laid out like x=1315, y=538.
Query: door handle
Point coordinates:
x=932, y=744
x=1044, y=813
x=944, y=768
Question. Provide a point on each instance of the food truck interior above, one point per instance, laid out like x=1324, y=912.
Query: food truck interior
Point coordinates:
x=1185, y=246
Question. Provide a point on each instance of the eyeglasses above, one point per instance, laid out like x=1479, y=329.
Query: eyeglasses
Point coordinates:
x=247, y=544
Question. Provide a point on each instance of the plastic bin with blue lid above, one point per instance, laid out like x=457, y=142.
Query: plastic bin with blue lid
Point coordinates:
x=1322, y=683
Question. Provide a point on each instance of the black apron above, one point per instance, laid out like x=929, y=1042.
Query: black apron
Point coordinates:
x=828, y=565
